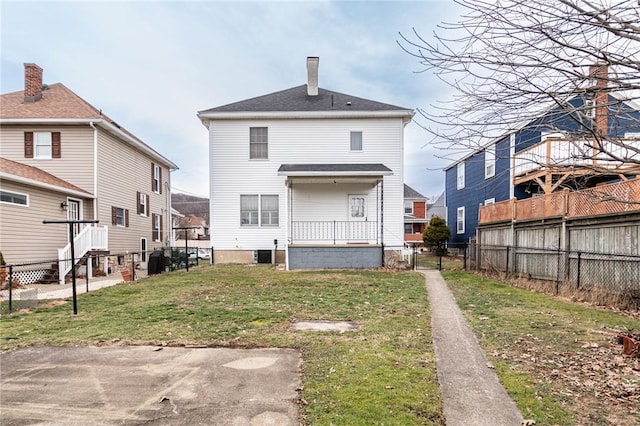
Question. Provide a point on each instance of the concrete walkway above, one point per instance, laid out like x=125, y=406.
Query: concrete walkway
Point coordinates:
x=471, y=392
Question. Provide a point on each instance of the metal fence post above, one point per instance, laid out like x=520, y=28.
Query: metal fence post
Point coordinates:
x=10, y=288
x=506, y=265
x=578, y=278
x=133, y=267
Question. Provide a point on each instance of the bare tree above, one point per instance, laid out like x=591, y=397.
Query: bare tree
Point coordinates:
x=511, y=62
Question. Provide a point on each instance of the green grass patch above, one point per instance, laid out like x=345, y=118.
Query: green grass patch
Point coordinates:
x=383, y=373
x=550, y=354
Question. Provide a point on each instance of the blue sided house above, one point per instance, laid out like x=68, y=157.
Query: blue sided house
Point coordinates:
x=592, y=139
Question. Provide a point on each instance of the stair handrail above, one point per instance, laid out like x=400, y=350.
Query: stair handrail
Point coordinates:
x=89, y=238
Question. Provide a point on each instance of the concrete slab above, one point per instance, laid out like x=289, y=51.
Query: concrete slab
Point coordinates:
x=150, y=385
x=320, y=325
x=471, y=391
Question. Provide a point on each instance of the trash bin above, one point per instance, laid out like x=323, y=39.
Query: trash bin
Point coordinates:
x=155, y=265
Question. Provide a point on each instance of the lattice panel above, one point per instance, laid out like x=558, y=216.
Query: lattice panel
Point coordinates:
x=607, y=199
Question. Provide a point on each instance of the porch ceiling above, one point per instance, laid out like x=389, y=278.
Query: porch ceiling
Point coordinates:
x=334, y=173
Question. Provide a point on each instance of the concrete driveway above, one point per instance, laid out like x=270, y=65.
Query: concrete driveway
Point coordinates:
x=149, y=385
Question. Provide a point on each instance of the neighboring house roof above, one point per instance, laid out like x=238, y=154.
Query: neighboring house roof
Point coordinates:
x=176, y=213
x=18, y=172
x=411, y=193
x=60, y=105
x=526, y=122
x=333, y=169
x=326, y=103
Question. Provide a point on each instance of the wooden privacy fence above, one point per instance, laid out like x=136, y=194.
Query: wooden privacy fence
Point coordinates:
x=621, y=197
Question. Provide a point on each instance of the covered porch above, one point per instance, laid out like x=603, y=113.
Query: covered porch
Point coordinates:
x=334, y=215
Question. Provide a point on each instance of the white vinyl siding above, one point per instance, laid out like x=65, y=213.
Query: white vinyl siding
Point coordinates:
x=490, y=161
x=460, y=175
x=300, y=141
x=460, y=220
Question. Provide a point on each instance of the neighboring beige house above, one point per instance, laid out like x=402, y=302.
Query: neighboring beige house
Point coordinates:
x=62, y=159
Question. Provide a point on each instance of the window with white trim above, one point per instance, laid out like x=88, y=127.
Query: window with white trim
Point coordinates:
x=157, y=227
x=15, y=198
x=143, y=249
x=143, y=204
x=259, y=210
x=119, y=216
x=356, y=141
x=408, y=207
x=42, y=145
x=408, y=228
x=156, y=179
x=490, y=161
x=460, y=220
x=269, y=211
x=460, y=175
x=258, y=143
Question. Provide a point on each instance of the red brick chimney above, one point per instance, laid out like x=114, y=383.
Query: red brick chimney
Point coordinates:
x=32, y=83
x=599, y=74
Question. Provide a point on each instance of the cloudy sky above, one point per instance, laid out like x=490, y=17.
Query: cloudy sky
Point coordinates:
x=151, y=65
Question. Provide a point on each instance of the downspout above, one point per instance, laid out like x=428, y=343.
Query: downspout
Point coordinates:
x=95, y=171
x=382, y=217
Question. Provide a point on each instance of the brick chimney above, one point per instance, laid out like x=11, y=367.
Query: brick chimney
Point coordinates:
x=32, y=83
x=312, y=75
x=599, y=74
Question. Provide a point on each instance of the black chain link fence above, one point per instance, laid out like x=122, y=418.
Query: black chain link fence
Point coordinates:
x=22, y=285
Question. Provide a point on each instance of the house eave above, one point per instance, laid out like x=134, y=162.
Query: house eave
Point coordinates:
x=406, y=115
x=44, y=185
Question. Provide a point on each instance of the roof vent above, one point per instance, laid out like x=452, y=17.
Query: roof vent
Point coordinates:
x=312, y=75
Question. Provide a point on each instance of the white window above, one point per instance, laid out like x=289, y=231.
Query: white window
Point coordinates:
x=489, y=201
x=143, y=249
x=157, y=227
x=42, y=145
x=356, y=141
x=249, y=210
x=490, y=161
x=14, y=198
x=142, y=201
x=460, y=221
x=408, y=207
x=460, y=170
x=120, y=216
x=269, y=210
x=258, y=143
x=156, y=179
x=259, y=210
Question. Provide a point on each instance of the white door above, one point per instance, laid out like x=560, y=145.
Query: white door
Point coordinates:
x=73, y=213
x=357, y=227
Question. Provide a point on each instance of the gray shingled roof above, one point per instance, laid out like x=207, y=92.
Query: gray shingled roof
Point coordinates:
x=409, y=192
x=333, y=168
x=296, y=99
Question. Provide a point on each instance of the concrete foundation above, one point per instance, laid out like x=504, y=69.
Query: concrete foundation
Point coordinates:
x=335, y=257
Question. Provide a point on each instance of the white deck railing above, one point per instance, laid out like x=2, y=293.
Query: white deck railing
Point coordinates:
x=334, y=232
x=89, y=238
x=562, y=153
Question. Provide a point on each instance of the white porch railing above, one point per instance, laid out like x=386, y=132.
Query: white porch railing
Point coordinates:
x=334, y=232
x=89, y=238
x=555, y=153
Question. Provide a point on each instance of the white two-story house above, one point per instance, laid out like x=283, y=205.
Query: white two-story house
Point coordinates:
x=307, y=177
x=63, y=159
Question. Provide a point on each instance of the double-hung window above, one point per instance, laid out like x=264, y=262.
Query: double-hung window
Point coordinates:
x=269, y=210
x=119, y=216
x=258, y=143
x=460, y=220
x=490, y=161
x=356, y=141
x=42, y=145
x=143, y=204
x=156, y=179
x=156, y=222
x=408, y=207
x=460, y=175
x=259, y=210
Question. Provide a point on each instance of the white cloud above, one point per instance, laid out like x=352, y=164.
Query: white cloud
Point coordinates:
x=152, y=65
